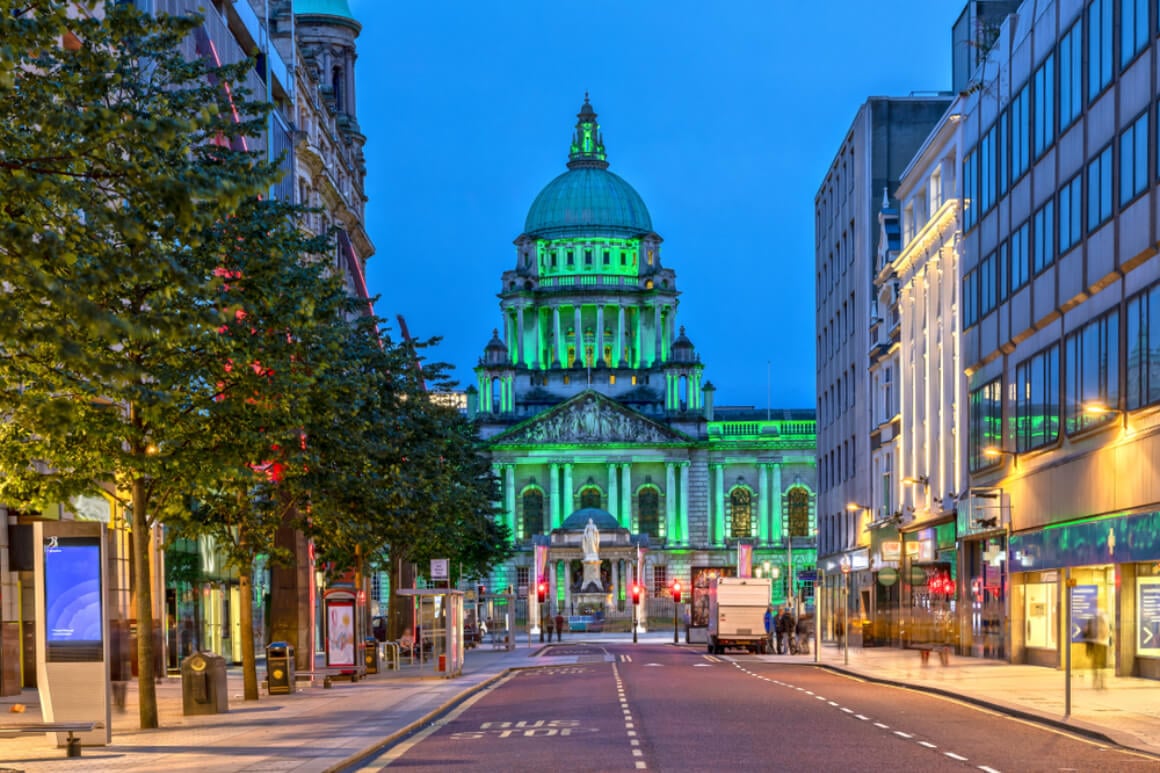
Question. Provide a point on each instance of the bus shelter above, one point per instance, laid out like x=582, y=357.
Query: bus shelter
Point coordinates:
x=438, y=634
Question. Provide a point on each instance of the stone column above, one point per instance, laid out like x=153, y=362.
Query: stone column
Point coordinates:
x=718, y=532
x=568, y=497
x=613, y=494
x=578, y=336
x=763, y=503
x=684, y=504
x=619, y=353
x=657, y=322
x=509, y=488
x=626, y=497
x=672, y=531
x=599, y=356
x=521, y=355
x=553, y=514
x=558, y=341
x=775, y=504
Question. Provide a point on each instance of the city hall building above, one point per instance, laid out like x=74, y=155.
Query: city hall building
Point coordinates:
x=593, y=402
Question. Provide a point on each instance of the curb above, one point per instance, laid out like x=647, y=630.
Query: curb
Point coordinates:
x=999, y=708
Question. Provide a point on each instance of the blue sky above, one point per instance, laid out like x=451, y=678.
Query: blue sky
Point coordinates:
x=724, y=117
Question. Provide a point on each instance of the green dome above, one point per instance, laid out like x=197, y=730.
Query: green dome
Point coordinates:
x=323, y=8
x=587, y=201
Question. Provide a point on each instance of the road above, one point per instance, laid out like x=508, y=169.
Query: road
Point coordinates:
x=657, y=707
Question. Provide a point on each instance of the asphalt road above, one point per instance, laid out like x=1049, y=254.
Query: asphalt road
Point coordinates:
x=654, y=707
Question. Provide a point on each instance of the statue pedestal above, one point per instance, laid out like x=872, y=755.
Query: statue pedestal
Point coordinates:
x=591, y=581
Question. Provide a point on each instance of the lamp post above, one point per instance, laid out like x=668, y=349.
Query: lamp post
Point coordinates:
x=845, y=611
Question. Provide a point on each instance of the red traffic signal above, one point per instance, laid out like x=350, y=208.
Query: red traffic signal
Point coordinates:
x=542, y=592
x=636, y=593
x=677, y=591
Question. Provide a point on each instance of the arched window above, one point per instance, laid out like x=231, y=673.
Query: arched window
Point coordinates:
x=590, y=497
x=496, y=395
x=648, y=510
x=741, y=502
x=533, y=521
x=798, y=505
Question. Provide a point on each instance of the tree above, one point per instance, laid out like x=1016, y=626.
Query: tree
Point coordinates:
x=117, y=158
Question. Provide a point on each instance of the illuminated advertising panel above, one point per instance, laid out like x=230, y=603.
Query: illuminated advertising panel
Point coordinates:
x=72, y=594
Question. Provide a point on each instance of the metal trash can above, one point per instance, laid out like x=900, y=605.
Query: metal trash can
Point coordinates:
x=203, y=684
x=280, y=668
x=372, y=658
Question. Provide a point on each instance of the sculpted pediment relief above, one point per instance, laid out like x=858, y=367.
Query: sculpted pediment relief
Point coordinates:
x=591, y=419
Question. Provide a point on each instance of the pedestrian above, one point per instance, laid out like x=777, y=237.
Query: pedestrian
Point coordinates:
x=1097, y=641
x=559, y=626
x=802, y=630
x=548, y=629
x=769, y=644
x=783, y=625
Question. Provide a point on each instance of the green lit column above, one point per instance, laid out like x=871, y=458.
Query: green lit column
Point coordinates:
x=718, y=535
x=578, y=335
x=614, y=494
x=553, y=496
x=763, y=503
x=775, y=526
x=626, y=497
x=599, y=353
x=569, y=495
x=673, y=531
x=683, y=505
x=559, y=340
x=657, y=322
x=619, y=353
x=509, y=495
x=521, y=347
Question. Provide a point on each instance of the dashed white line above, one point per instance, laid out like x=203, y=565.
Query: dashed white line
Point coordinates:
x=863, y=717
x=833, y=703
x=901, y=734
x=927, y=744
x=879, y=724
x=954, y=756
x=847, y=711
x=985, y=769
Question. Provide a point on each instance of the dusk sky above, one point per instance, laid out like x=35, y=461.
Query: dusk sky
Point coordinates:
x=723, y=116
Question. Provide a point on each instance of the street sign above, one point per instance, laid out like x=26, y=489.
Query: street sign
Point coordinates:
x=439, y=568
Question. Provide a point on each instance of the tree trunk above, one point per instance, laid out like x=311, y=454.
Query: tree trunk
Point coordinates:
x=249, y=667
x=146, y=686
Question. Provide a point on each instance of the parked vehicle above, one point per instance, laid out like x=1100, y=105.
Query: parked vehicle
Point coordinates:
x=737, y=613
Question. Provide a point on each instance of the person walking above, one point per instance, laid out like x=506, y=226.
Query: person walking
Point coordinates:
x=802, y=630
x=769, y=632
x=559, y=626
x=784, y=627
x=1098, y=638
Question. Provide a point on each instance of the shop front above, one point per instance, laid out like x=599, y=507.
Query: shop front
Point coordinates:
x=1091, y=574
x=983, y=518
x=929, y=584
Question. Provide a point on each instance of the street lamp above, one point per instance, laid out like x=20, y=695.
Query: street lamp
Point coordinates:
x=921, y=480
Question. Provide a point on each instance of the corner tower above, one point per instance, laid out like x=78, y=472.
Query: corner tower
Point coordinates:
x=589, y=305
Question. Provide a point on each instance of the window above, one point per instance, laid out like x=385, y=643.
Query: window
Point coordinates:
x=987, y=185
x=590, y=497
x=1133, y=29
x=1040, y=601
x=1070, y=75
x=798, y=509
x=985, y=422
x=533, y=520
x=1099, y=190
x=587, y=257
x=1002, y=156
x=1043, y=231
x=1002, y=271
x=607, y=257
x=1070, y=213
x=660, y=580
x=523, y=579
x=740, y=501
x=1037, y=400
x=1143, y=327
x=1020, y=256
x=1093, y=370
x=970, y=191
x=648, y=508
x=1099, y=44
x=1020, y=133
x=1134, y=160
x=970, y=299
x=987, y=285
x=1044, y=128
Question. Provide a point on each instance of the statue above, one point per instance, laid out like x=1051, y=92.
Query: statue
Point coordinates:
x=591, y=541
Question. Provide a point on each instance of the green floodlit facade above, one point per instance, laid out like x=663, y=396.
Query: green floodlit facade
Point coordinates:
x=593, y=401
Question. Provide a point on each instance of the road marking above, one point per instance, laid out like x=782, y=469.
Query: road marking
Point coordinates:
x=711, y=659
x=954, y=756
x=927, y=744
x=637, y=753
x=985, y=769
x=641, y=765
x=902, y=734
x=863, y=717
x=650, y=665
x=833, y=703
x=847, y=711
x=702, y=665
x=879, y=724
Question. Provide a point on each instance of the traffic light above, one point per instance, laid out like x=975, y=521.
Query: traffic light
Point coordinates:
x=542, y=592
x=677, y=591
x=636, y=592
x=481, y=591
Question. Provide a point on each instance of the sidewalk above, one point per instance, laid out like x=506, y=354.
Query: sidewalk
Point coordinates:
x=316, y=730
x=1126, y=712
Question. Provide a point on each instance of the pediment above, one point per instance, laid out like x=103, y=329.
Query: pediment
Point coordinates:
x=590, y=418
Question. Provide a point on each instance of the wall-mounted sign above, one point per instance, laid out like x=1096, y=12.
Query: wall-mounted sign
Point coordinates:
x=439, y=568
x=887, y=576
x=1148, y=613
x=1084, y=606
x=891, y=550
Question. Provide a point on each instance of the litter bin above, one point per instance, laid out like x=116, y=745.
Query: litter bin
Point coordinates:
x=372, y=655
x=280, y=668
x=203, y=684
